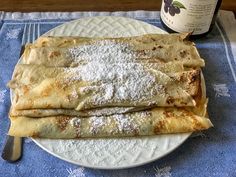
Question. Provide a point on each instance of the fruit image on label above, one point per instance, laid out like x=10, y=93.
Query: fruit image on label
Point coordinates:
x=173, y=7
x=188, y=15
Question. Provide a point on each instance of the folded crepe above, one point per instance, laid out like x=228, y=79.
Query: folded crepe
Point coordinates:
x=157, y=39
x=80, y=89
x=70, y=51
x=151, y=122
x=200, y=109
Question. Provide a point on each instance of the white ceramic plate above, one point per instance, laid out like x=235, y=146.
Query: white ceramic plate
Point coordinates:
x=110, y=153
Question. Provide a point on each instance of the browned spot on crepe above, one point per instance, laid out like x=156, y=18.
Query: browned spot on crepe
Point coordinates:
x=32, y=79
x=54, y=54
x=48, y=106
x=185, y=113
x=62, y=122
x=159, y=127
x=153, y=39
x=170, y=100
x=46, y=91
x=35, y=135
x=183, y=54
x=44, y=43
x=65, y=42
x=136, y=132
x=168, y=113
x=194, y=76
x=25, y=89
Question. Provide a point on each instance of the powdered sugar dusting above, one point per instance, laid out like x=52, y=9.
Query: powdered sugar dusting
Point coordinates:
x=97, y=123
x=75, y=122
x=120, y=81
x=111, y=67
x=122, y=123
x=74, y=94
x=125, y=124
x=110, y=111
x=106, y=51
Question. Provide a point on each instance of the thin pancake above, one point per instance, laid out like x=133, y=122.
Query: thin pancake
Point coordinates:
x=147, y=47
x=47, y=87
x=155, y=121
x=200, y=109
x=65, y=41
x=61, y=57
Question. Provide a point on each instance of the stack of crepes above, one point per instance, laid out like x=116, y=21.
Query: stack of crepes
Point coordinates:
x=78, y=87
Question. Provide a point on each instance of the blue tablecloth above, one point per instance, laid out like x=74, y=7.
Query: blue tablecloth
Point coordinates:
x=212, y=154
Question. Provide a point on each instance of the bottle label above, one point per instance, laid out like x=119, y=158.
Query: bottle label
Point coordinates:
x=188, y=15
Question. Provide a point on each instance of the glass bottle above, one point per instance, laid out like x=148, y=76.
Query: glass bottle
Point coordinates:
x=196, y=16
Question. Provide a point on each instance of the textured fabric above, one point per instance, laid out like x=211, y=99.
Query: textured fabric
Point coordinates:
x=211, y=154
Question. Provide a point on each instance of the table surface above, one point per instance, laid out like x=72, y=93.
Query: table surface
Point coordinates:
x=211, y=154
x=90, y=5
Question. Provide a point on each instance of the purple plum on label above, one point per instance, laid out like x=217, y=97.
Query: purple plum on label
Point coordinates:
x=172, y=10
x=173, y=7
x=177, y=10
x=166, y=8
x=168, y=2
